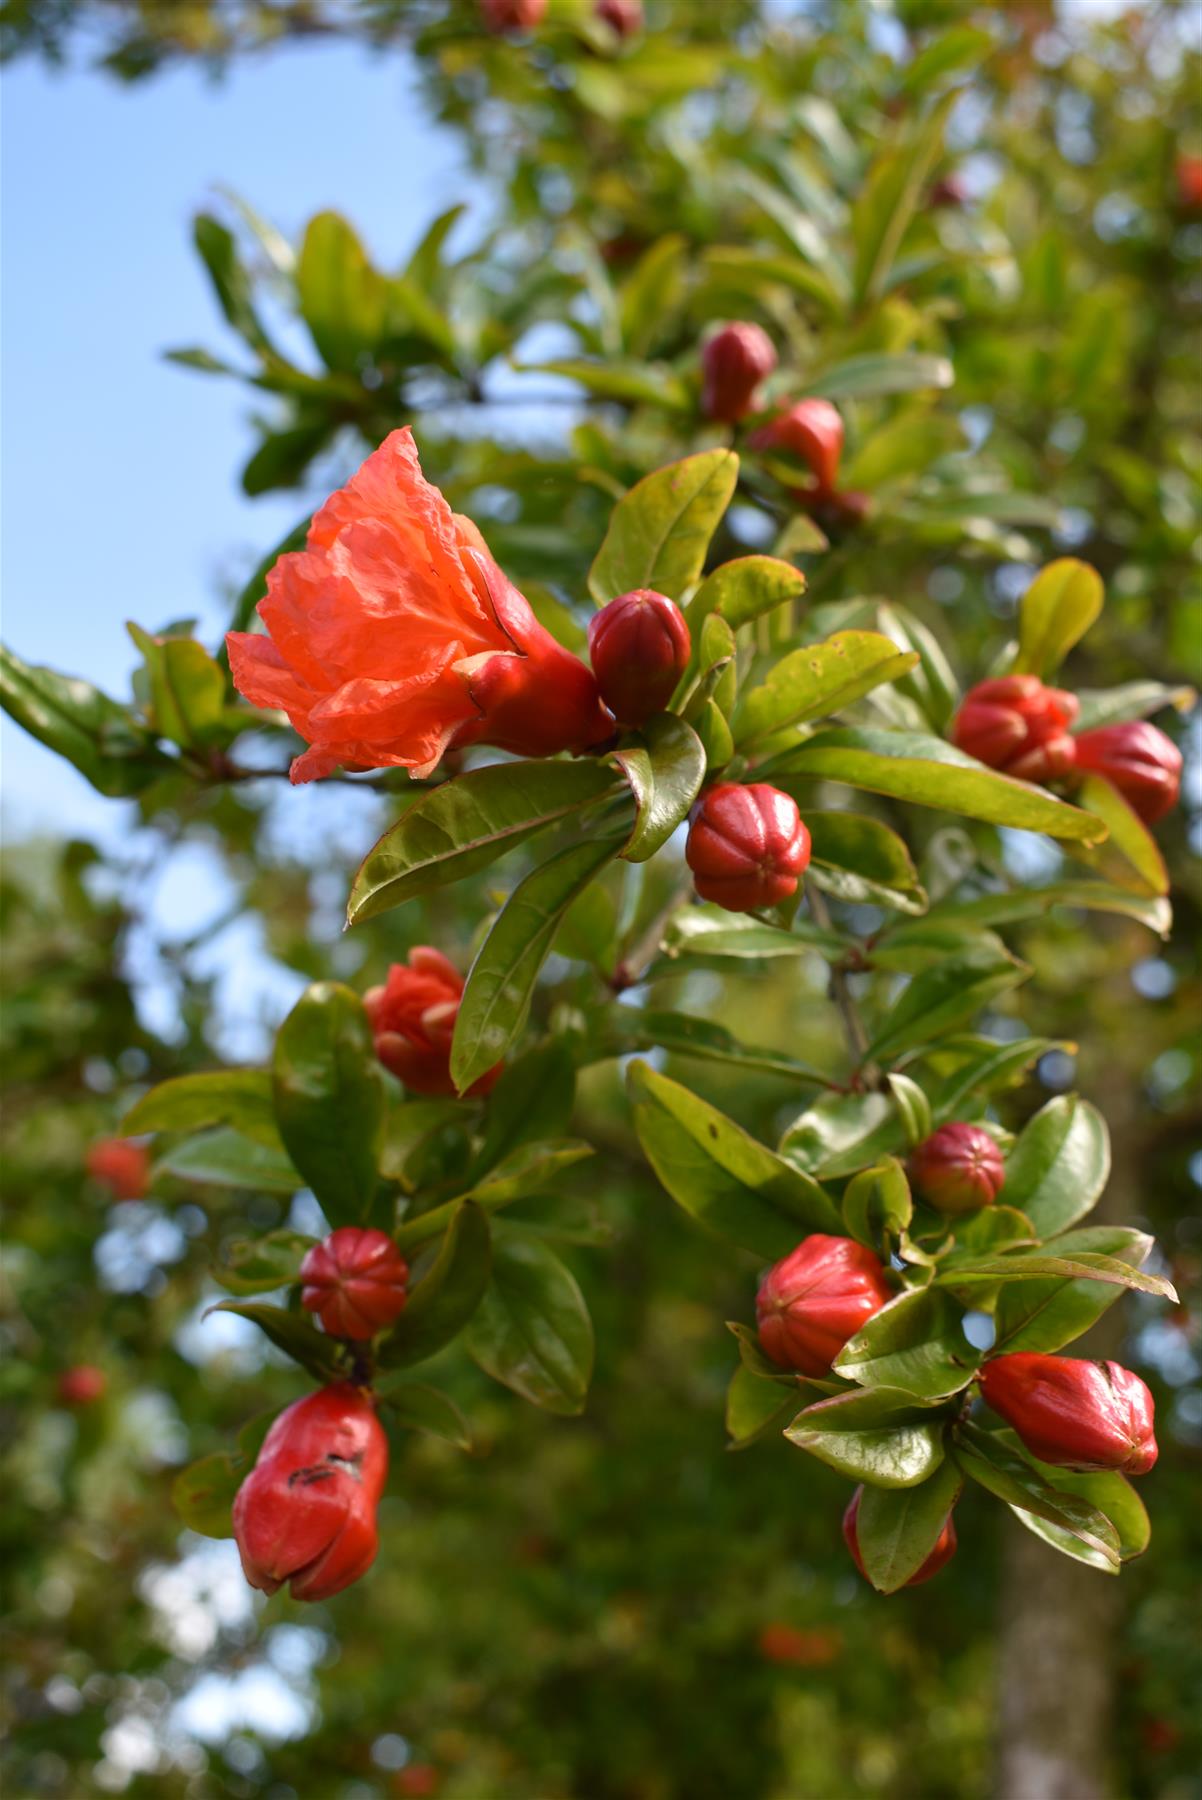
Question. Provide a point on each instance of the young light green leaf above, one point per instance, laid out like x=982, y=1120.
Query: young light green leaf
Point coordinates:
x=665, y=769
x=533, y=1331
x=187, y=688
x=500, y=984
x=329, y=1099
x=1055, y=612
x=861, y=861
x=818, y=680
x=1130, y=856
x=105, y=741
x=660, y=531
x=734, y=1186
x=877, y=1204
x=913, y=1106
x=746, y=589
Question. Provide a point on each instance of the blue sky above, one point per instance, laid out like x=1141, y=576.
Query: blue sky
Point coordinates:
x=119, y=470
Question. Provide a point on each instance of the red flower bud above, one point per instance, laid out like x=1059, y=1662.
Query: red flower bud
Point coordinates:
x=412, y=1019
x=638, y=645
x=949, y=190
x=354, y=1282
x=623, y=16
x=1189, y=183
x=945, y=1544
x=746, y=846
x=1074, y=1414
x=733, y=363
x=83, y=1385
x=958, y=1169
x=417, y=1781
x=307, y=1511
x=120, y=1165
x=782, y=1643
x=812, y=431
x=512, y=15
x=1019, y=726
x=815, y=1299
x=393, y=637
x=1139, y=760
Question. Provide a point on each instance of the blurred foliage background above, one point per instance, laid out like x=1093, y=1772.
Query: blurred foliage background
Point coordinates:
x=613, y=1608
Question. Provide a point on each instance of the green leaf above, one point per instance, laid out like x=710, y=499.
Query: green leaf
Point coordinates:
x=897, y=1529
x=665, y=767
x=1060, y=1164
x=533, y=1099
x=1043, y=1316
x=425, y=1409
x=342, y=299
x=462, y=826
x=105, y=741
x=683, y=1034
x=652, y=288
x=500, y=984
x=1086, y=1533
x=240, y=1098
x=329, y=1099
x=961, y=48
x=1130, y=855
x=752, y=1358
x=846, y=1132
x=1055, y=613
x=914, y=1343
x=735, y=1187
x=533, y=1331
x=660, y=531
x=1031, y=903
x=187, y=688
x=913, y=1106
x=408, y=1131
x=877, y=1204
x=448, y=1292
x=881, y=1438
x=861, y=861
x=712, y=931
x=203, y=1493
x=754, y=1407
x=877, y=374
x=524, y=1172
x=746, y=589
x=908, y=765
x=1133, y=700
x=1110, y=1492
x=994, y=1067
x=620, y=378
x=890, y=197
x=818, y=680
x=292, y=1333
x=226, y=1158
x=257, y=1265
x=944, y=995
x=219, y=253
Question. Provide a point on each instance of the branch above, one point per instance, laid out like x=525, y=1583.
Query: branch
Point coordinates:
x=841, y=994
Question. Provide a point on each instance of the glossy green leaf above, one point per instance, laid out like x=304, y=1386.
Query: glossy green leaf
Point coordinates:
x=447, y=1292
x=913, y=1107
x=231, y=283
x=240, y=1098
x=105, y=741
x=1055, y=613
x=1131, y=700
x=532, y=1100
x=818, y=680
x=861, y=861
x=462, y=826
x=410, y=1130
x=500, y=984
x=1130, y=856
x=1056, y=1260
x=665, y=767
x=420, y=1408
x=343, y=300
x=1031, y=903
x=843, y=1131
x=533, y=1331
x=1110, y=1492
x=745, y=589
x=945, y=995
x=877, y=374
x=877, y=1204
x=524, y=1172
x=684, y=1034
x=187, y=688
x=660, y=531
x=995, y=1066
x=1060, y=1164
x=881, y=1438
x=225, y=1158
x=329, y=1099
x=1083, y=1531
x=897, y=1529
x=914, y=1343
x=257, y=1265
x=293, y=1333
x=616, y=378
x=911, y=766
x=712, y=931
x=1044, y=1316
x=737, y=1188
x=755, y=1408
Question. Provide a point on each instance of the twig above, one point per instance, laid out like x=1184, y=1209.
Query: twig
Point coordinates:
x=841, y=994
x=631, y=969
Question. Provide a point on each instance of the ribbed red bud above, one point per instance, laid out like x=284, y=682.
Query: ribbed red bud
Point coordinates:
x=306, y=1513
x=733, y=364
x=120, y=1165
x=945, y=1544
x=622, y=16
x=412, y=1019
x=638, y=645
x=813, y=432
x=747, y=846
x=958, y=1169
x=512, y=15
x=355, y=1282
x=1017, y=725
x=811, y=1302
x=1074, y=1414
x=1139, y=760
x=83, y=1385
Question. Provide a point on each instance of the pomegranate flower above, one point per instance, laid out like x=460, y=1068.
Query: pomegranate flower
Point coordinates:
x=412, y=1018
x=394, y=637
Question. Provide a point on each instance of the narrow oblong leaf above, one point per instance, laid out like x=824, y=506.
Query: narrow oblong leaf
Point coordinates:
x=462, y=826
x=1130, y=856
x=877, y=1203
x=292, y=1333
x=1087, y=1533
x=660, y=531
x=447, y=1293
x=329, y=1099
x=239, y=1098
x=426, y=1409
x=1044, y=1316
x=755, y=1407
x=1060, y=1164
x=942, y=996
x=533, y=1331
x=105, y=741
x=861, y=861
x=665, y=769
x=1110, y=1492
x=226, y=1158
x=1055, y=612
x=500, y=984
x=712, y=931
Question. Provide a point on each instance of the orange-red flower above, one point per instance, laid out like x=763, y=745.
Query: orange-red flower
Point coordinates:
x=412, y=1018
x=121, y=1165
x=394, y=636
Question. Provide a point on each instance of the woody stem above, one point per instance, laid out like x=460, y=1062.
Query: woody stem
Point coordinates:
x=631, y=969
x=840, y=988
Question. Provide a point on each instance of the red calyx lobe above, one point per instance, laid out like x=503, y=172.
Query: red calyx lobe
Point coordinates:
x=958, y=1168
x=412, y=1018
x=638, y=645
x=733, y=364
x=1018, y=726
x=1088, y=1416
x=355, y=1282
x=512, y=15
x=747, y=846
x=945, y=1544
x=1139, y=760
x=306, y=1514
x=623, y=16
x=811, y=1302
x=812, y=431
